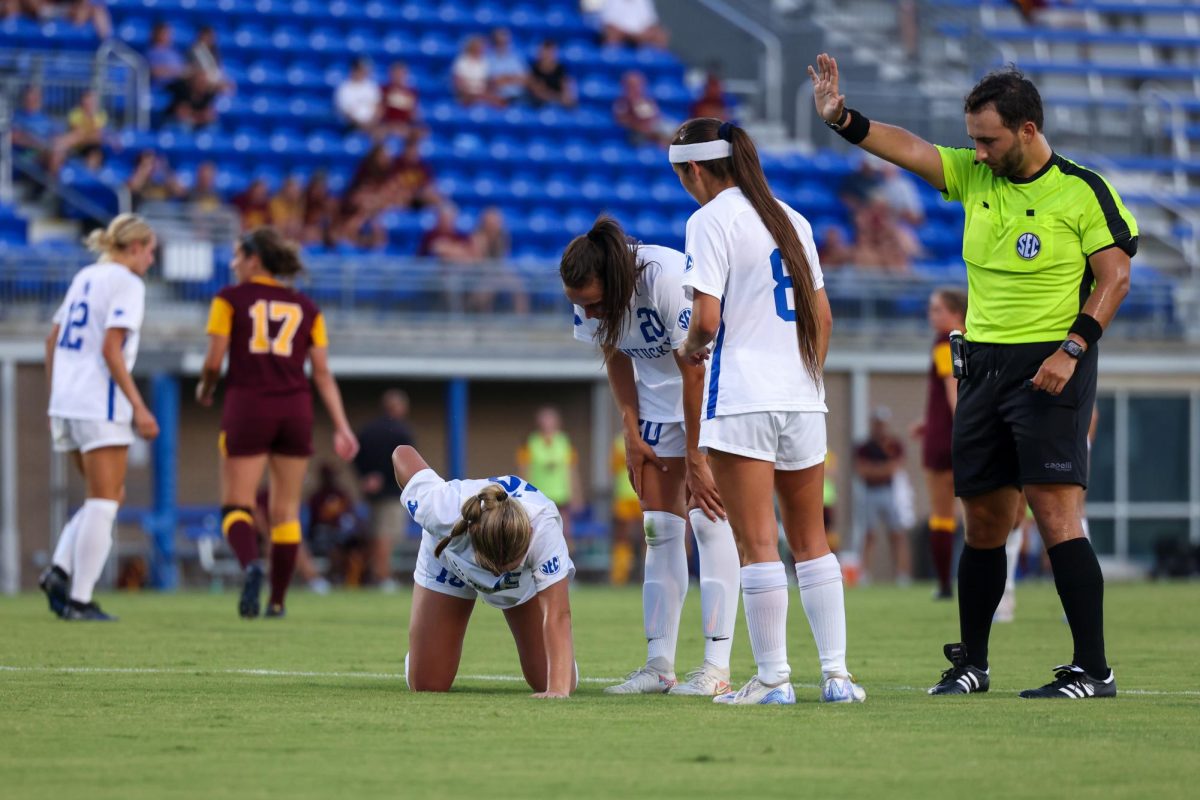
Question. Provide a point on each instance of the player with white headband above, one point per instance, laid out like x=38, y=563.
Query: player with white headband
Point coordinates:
x=629, y=300
x=758, y=298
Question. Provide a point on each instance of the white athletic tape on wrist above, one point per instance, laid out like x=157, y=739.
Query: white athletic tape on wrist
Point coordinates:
x=700, y=151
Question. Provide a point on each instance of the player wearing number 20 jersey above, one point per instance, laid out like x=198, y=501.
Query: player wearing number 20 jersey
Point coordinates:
x=268, y=402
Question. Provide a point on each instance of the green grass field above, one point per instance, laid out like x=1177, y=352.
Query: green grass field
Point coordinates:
x=183, y=699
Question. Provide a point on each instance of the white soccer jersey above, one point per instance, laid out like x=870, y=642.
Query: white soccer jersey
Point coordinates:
x=755, y=363
x=658, y=323
x=436, y=505
x=102, y=296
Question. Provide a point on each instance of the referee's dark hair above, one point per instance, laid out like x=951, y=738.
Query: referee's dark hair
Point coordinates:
x=1014, y=97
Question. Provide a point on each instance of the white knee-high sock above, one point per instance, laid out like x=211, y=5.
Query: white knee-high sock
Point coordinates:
x=765, y=599
x=93, y=541
x=720, y=579
x=1012, y=549
x=820, y=581
x=64, y=551
x=665, y=586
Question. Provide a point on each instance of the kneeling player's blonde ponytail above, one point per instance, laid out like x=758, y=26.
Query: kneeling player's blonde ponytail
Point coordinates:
x=498, y=526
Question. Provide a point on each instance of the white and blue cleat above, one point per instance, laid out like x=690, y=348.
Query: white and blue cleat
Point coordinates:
x=757, y=693
x=842, y=689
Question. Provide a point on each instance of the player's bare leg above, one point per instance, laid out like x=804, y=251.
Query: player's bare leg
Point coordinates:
x=286, y=485
x=819, y=576
x=436, y=631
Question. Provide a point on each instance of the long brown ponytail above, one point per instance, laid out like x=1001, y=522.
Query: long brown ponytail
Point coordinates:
x=498, y=526
x=744, y=169
x=604, y=254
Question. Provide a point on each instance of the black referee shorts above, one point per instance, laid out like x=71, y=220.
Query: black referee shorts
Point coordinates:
x=1008, y=435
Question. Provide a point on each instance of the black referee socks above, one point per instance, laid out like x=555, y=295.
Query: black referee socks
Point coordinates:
x=1080, y=585
x=981, y=576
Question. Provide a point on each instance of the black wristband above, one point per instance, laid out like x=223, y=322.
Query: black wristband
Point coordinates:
x=857, y=129
x=1087, y=328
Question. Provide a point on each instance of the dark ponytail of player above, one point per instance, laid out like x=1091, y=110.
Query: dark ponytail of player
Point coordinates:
x=279, y=257
x=604, y=254
x=744, y=169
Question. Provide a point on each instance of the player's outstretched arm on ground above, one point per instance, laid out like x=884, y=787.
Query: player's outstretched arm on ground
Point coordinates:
x=406, y=462
x=902, y=148
x=560, y=647
x=113, y=351
x=345, y=443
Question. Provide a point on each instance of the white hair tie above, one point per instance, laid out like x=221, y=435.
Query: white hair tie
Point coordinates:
x=700, y=151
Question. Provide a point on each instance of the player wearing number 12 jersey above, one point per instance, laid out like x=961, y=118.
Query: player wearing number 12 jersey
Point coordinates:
x=269, y=331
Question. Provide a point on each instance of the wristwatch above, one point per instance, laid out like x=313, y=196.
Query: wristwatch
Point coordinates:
x=1072, y=348
x=841, y=123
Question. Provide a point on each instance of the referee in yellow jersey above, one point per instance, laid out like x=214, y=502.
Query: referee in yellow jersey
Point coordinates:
x=1047, y=244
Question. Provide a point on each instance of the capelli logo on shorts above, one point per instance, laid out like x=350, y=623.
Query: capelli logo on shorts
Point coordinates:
x=1058, y=466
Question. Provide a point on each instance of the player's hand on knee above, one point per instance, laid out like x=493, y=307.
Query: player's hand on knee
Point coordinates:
x=637, y=455
x=703, y=489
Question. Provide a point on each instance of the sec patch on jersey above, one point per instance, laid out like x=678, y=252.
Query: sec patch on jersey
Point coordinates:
x=551, y=567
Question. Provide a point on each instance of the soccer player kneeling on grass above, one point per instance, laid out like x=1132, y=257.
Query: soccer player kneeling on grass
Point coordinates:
x=498, y=537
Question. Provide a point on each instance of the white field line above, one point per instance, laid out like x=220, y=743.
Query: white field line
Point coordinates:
x=399, y=676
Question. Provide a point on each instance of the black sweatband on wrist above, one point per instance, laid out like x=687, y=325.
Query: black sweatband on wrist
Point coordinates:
x=857, y=129
x=1087, y=328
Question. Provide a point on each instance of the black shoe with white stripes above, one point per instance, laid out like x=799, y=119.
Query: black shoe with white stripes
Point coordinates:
x=1072, y=683
x=961, y=678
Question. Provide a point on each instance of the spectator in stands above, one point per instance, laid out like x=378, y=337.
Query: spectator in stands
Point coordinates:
x=13, y=8
x=857, y=187
x=254, y=205
x=193, y=101
x=204, y=197
x=901, y=195
x=508, y=73
x=320, y=210
x=632, y=22
x=205, y=58
x=370, y=193
x=167, y=64
x=493, y=244
x=548, y=79
x=638, y=114
x=414, y=187
x=34, y=130
x=287, y=209
x=835, y=251
x=880, y=240
x=401, y=114
x=76, y=12
x=153, y=181
x=711, y=102
x=389, y=520
x=445, y=242
x=358, y=98
x=471, y=76
x=86, y=124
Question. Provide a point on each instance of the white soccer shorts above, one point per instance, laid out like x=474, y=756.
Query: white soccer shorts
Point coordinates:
x=86, y=435
x=792, y=440
x=667, y=439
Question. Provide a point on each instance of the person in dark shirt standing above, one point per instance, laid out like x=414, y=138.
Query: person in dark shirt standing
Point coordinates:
x=877, y=461
x=548, y=78
x=374, y=466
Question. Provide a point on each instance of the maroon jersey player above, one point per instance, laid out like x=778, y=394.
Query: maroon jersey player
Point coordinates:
x=269, y=330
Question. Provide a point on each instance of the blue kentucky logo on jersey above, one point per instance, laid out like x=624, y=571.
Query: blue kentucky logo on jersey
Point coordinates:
x=550, y=567
x=687, y=267
x=119, y=312
x=685, y=319
x=412, y=507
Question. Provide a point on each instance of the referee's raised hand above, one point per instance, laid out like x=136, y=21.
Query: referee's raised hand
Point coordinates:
x=830, y=104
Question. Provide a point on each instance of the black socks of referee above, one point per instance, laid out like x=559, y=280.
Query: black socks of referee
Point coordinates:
x=1080, y=585
x=981, y=576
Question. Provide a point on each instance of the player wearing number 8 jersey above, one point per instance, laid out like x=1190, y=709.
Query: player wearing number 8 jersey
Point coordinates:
x=95, y=406
x=269, y=331
x=757, y=297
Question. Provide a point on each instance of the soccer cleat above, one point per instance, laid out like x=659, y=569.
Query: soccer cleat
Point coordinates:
x=248, y=607
x=56, y=584
x=85, y=612
x=842, y=689
x=275, y=611
x=757, y=693
x=646, y=680
x=704, y=681
x=1072, y=683
x=943, y=594
x=961, y=678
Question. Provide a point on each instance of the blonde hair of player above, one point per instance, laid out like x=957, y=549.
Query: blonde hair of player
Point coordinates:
x=498, y=527
x=122, y=234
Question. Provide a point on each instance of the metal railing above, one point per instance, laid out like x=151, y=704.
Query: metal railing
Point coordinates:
x=771, y=64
